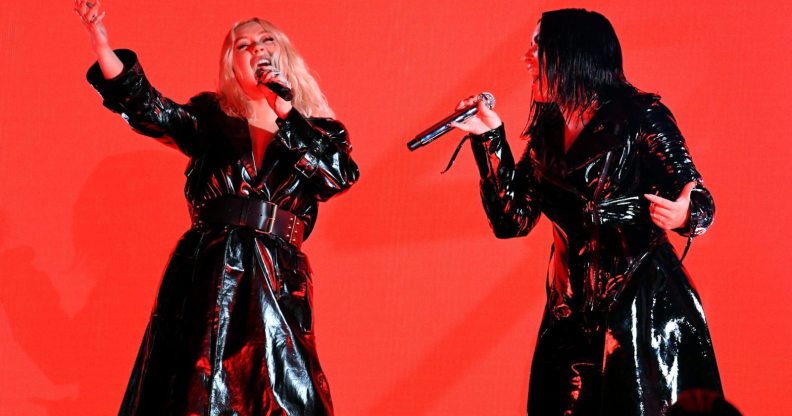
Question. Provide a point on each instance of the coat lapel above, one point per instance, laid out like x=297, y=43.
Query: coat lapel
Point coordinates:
x=603, y=133
x=238, y=133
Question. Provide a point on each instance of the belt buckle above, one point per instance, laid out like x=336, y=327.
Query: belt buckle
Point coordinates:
x=272, y=213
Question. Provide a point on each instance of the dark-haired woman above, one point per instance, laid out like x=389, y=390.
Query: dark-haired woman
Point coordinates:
x=623, y=331
x=231, y=332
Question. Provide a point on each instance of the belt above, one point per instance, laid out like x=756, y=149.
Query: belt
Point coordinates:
x=263, y=216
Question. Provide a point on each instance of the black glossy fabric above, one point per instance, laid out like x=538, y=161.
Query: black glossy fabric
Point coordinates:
x=623, y=330
x=231, y=332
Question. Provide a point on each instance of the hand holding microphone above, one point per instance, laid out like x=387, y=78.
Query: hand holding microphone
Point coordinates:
x=273, y=79
x=473, y=115
x=484, y=120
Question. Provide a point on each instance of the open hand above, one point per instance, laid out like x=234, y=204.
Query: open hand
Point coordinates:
x=668, y=214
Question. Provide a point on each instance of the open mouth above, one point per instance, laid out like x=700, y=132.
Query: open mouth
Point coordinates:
x=263, y=62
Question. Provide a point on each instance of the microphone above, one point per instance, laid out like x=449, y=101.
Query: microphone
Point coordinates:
x=279, y=89
x=443, y=126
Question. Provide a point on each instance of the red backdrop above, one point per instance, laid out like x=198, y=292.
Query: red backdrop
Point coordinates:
x=420, y=310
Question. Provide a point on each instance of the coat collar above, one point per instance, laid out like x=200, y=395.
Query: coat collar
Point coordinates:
x=606, y=131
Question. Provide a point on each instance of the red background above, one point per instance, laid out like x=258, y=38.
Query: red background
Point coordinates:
x=420, y=310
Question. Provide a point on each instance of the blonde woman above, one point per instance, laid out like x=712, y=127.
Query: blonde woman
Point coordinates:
x=231, y=331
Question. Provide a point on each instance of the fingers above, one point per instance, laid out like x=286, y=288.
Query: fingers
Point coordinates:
x=467, y=102
x=461, y=126
x=483, y=120
x=661, y=216
x=89, y=11
x=668, y=221
x=485, y=110
x=271, y=75
x=93, y=12
x=657, y=209
x=663, y=223
x=665, y=203
x=80, y=8
x=653, y=208
x=268, y=73
x=667, y=214
x=99, y=18
x=264, y=72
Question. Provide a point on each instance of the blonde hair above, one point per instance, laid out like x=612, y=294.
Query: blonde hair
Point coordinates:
x=308, y=98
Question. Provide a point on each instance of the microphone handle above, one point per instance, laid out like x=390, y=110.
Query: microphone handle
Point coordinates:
x=280, y=89
x=432, y=133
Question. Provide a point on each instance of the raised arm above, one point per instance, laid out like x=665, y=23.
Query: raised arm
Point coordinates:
x=92, y=17
x=119, y=78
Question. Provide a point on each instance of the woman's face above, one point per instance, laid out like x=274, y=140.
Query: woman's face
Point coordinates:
x=531, y=59
x=253, y=46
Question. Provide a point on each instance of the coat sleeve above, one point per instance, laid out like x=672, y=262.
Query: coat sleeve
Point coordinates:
x=671, y=167
x=323, y=150
x=144, y=108
x=509, y=192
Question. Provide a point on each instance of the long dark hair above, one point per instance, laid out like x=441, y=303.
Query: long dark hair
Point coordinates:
x=581, y=56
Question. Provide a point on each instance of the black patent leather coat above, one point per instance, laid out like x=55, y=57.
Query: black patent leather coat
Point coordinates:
x=231, y=332
x=623, y=330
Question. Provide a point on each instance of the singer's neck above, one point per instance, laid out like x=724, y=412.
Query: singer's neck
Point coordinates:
x=574, y=122
x=262, y=115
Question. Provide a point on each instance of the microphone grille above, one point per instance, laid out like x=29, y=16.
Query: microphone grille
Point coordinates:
x=488, y=98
